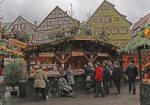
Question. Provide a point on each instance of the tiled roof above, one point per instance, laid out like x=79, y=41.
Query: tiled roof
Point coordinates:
x=141, y=22
x=6, y=24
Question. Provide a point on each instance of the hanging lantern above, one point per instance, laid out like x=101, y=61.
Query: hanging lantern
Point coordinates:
x=147, y=32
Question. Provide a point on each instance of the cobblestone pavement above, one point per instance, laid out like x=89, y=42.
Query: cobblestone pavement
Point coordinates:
x=83, y=99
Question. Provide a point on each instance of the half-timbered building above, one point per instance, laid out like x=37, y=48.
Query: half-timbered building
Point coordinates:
x=58, y=23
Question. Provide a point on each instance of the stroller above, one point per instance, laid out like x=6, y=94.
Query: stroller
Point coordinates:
x=64, y=88
x=89, y=84
x=49, y=92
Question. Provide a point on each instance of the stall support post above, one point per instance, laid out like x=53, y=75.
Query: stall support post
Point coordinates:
x=139, y=61
x=28, y=66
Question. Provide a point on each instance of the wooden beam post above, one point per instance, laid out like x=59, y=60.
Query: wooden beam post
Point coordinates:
x=91, y=59
x=140, y=63
x=64, y=60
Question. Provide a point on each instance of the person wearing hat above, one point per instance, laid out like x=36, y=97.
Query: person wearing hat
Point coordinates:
x=99, y=80
x=132, y=73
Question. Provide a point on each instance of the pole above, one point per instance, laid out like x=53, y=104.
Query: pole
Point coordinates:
x=140, y=64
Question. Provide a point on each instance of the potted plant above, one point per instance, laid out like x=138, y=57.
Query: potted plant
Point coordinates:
x=13, y=73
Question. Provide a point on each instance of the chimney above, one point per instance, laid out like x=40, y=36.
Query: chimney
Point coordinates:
x=35, y=22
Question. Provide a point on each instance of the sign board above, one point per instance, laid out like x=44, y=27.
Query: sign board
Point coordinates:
x=46, y=54
x=81, y=37
x=103, y=54
x=17, y=43
x=77, y=53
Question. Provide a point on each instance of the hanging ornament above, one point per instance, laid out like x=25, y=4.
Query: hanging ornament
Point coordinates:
x=147, y=32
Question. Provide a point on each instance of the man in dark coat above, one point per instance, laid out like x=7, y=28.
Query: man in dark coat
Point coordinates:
x=132, y=73
x=116, y=76
x=111, y=67
x=106, y=77
x=99, y=79
x=88, y=69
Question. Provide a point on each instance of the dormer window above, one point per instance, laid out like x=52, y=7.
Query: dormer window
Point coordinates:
x=124, y=30
x=105, y=7
x=115, y=30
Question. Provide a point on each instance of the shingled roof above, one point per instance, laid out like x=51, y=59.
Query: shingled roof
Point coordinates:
x=143, y=21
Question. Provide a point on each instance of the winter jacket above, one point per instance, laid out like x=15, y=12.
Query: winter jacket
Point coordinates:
x=106, y=73
x=111, y=67
x=87, y=71
x=116, y=74
x=40, y=79
x=92, y=74
x=132, y=71
x=99, y=74
x=70, y=77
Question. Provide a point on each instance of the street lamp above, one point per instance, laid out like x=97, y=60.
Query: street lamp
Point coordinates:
x=147, y=30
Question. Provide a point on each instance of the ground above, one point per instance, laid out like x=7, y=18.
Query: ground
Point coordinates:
x=83, y=99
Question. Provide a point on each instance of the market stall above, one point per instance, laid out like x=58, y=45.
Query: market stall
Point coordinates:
x=139, y=46
x=77, y=51
x=74, y=51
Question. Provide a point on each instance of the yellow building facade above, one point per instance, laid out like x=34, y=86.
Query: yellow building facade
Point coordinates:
x=106, y=19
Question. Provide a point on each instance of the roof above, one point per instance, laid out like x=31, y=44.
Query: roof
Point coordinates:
x=141, y=22
x=105, y=1
x=20, y=17
x=7, y=24
x=68, y=38
x=135, y=43
x=57, y=7
x=4, y=50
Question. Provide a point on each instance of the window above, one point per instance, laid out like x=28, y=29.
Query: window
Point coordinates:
x=115, y=30
x=23, y=26
x=116, y=18
x=95, y=20
x=124, y=30
x=105, y=7
x=39, y=36
x=96, y=32
x=106, y=19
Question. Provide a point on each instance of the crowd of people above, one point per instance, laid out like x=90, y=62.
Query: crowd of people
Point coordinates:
x=100, y=76
x=104, y=75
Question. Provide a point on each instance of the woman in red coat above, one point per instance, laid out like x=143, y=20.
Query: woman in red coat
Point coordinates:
x=99, y=80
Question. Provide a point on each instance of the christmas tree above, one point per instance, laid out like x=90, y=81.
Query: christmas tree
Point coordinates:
x=13, y=73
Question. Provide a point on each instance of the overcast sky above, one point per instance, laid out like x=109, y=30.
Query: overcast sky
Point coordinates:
x=38, y=9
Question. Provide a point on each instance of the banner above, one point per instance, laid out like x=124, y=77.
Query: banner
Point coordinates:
x=46, y=54
x=103, y=54
x=77, y=53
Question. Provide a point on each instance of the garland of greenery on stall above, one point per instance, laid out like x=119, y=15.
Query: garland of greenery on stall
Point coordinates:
x=136, y=42
x=141, y=40
x=51, y=42
x=68, y=38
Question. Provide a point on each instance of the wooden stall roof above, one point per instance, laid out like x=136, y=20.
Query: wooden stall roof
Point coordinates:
x=69, y=38
x=4, y=50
